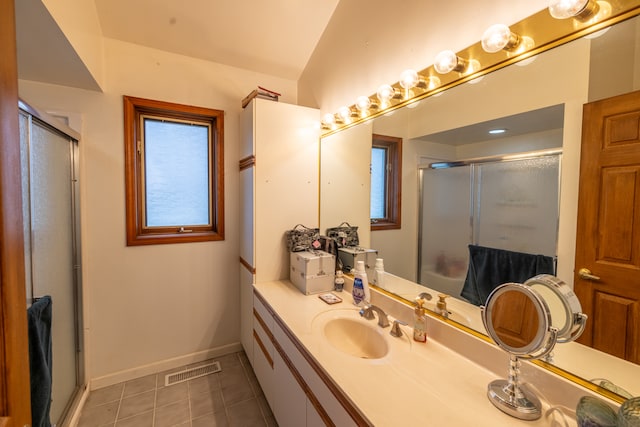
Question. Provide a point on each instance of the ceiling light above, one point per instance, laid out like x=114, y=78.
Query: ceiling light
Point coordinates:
x=447, y=61
x=497, y=131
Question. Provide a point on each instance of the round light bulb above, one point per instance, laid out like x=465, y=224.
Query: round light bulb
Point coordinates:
x=409, y=79
x=562, y=9
x=345, y=113
x=445, y=62
x=328, y=119
x=363, y=103
x=385, y=93
x=496, y=38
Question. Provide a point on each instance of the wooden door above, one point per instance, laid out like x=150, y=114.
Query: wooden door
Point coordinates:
x=15, y=409
x=608, y=227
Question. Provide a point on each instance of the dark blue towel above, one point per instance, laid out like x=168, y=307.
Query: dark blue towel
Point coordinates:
x=40, y=358
x=490, y=267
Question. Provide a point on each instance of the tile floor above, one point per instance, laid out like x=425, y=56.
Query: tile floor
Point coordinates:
x=230, y=398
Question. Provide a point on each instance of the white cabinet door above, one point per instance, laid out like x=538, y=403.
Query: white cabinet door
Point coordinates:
x=246, y=312
x=290, y=403
x=263, y=351
x=286, y=181
x=313, y=418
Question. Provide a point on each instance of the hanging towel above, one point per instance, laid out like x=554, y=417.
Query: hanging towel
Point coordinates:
x=40, y=358
x=490, y=267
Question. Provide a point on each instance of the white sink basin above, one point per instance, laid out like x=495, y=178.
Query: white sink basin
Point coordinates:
x=356, y=338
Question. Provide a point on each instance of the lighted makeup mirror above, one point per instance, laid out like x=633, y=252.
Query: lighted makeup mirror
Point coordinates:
x=519, y=320
x=565, y=308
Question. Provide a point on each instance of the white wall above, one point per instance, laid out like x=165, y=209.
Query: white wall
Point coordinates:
x=150, y=307
x=370, y=42
x=79, y=21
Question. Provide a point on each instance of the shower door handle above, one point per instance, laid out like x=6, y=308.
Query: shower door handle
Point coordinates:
x=585, y=274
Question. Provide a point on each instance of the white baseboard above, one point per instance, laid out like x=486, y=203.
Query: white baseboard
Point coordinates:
x=163, y=365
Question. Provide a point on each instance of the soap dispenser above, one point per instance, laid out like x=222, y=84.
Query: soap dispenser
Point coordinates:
x=420, y=322
x=441, y=305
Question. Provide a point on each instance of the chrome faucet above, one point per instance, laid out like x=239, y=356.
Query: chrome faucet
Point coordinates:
x=367, y=313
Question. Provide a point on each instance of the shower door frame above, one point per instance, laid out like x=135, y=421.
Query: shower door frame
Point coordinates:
x=472, y=202
x=56, y=126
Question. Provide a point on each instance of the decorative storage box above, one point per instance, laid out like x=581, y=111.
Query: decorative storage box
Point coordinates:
x=350, y=255
x=312, y=271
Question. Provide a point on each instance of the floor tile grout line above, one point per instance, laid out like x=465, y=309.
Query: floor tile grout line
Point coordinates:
x=119, y=404
x=253, y=391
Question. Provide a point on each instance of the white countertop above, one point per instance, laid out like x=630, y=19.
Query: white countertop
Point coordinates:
x=413, y=384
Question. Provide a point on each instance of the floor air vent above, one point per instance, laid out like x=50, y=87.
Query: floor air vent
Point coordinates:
x=191, y=373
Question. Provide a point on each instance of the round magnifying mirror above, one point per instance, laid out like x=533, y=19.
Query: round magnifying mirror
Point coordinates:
x=518, y=319
x=565, y=308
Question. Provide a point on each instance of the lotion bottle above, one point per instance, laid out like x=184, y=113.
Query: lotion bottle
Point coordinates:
x=360, y=292
x=379, y=272
x=420, y=322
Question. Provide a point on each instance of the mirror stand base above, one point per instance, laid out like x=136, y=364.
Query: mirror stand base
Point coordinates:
x=514, y=400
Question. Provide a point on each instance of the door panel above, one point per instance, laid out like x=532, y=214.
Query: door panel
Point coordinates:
x=608, y=238
x=52, y=253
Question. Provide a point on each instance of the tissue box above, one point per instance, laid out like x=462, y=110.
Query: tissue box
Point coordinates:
x=312, y=271
x=350, y=255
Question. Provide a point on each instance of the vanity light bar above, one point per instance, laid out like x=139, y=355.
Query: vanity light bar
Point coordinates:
x=536, y=33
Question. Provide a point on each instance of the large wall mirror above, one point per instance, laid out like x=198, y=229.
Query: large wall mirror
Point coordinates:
x=539, y=101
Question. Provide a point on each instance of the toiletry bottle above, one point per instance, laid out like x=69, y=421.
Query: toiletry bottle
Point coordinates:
x=338, y=283
x=420, y=322
x=379, y=272
x=360, y=285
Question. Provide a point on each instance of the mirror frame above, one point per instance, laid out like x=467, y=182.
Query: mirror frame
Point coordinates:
x=548, y=33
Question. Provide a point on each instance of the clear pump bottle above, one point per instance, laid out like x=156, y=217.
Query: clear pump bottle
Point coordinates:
x=420, y=322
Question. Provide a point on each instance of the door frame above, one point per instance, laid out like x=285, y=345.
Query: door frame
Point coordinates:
x=15, y=401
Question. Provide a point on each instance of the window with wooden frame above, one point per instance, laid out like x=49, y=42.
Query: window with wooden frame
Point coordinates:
x=174, y=172
x=386, y=182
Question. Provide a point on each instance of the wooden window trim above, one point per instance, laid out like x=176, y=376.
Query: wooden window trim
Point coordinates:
x=393, y=183
x=134, y=108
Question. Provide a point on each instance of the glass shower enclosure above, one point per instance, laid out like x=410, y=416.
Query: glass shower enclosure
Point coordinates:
x=509, y=203
x=49, y=164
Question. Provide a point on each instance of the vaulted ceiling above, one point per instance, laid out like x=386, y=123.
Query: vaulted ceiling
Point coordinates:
x=274, y=37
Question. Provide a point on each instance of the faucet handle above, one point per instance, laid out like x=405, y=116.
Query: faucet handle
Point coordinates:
x=425, y=296
x=396, y=331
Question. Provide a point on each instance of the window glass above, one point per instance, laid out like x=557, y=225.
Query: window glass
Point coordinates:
x=176, y=164
x=378, y=182
x=386, y=182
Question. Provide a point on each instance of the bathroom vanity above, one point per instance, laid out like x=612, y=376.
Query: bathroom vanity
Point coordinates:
x=315, y=370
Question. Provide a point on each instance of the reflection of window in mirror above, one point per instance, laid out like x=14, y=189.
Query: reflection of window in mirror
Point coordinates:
x=386, y=181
